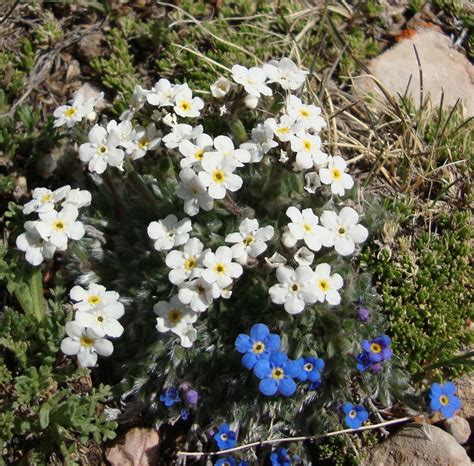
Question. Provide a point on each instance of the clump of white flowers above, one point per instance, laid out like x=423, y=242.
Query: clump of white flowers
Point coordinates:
x=96, y=318
x=56, y=224
x=210, y=170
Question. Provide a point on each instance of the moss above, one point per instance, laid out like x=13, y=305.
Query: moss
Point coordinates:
x=425, y=283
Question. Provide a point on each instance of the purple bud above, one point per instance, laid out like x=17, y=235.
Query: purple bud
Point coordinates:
x=363, y=314
x=191, y=397
x=184, y=386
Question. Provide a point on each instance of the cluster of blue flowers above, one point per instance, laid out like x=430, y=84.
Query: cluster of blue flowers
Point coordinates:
x=374, y=353
x=185, y=394
x=281, y=457
x=277, y=373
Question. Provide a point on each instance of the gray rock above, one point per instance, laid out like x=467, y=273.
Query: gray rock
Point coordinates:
x=459, y=428
x=465, y=392
x=418, y=445
x=444, y=69
x=139, y=447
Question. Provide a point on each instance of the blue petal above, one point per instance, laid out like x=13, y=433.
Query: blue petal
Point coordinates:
x=362, y=414
x=314, y=376
x=249, y=360
x=387, y=353
x=435, y=404
x=385, y=340
x=353, y=423
x=224, y=428
x=243, y=343
x=366, y=345
x=436, y=389
x=287, y=386
x=268, y=386
x=294, y=369
x=278, y=359
x=449, y=388
x=262, y=368
x=273, y=342
x=347, y=407
x=447, y=411
x=259, y=332
x=455, y=402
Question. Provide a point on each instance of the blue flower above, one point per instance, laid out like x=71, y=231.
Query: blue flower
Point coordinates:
x=442, y=399
x=355, y=416
x=280, y=458
x=184, y=413
x=311, y=368
x=378, y=349
x=226, y=461
x=257, y=346
x=276, y=374
x=170, y=397
x=225, y=437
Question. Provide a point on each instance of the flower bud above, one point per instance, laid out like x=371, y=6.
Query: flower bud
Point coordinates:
x=288, y=239
x=363, y=314
x=191, y=397
x=251, y=101
x=220, y=88
x=91, y=116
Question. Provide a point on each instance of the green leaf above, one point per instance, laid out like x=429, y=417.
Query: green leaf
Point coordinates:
x=44, y=415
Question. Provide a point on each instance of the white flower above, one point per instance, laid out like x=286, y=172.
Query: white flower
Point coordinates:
x=162, y=94
x=101, y=150
x=335, y=175
x=219, y=176
x=178, y=318
x=345, y=229
x=220, y=88
x=198, y=294
x=304, y=256
x=181, y=132
x=95, y=297
x=308, y=115
x=285, y=73
x=306, y=147
x=57, y=227
x=327, y=284
x=143, y=141
x=85, y=343
x=78, y=198
x=124, y=130
x=252, y=79
x=45, y=199
x=103, y=320
x=251, y=101
x=79, y=108
x=276, y=260
x=186, y=105
x=295, y=290
x=169, y=232
x=225, y=150
x=305, y=226
x=185, y=264
x=36, y=248
x=312, y=182
x=137, y=101
x=285, y=129
x=219, y=267
x=261, y=142
x=194, y=153
x=250, y=240
x=194, y=192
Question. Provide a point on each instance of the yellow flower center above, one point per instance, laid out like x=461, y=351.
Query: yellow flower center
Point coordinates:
x=278, y=373
x=307, y=227
x=94, y=299
x=307, y=145
x=46, y=198
x=59, y=225
x=102, y=149
x=143, y=144
x=323, y=285
x=199, y=154
x=249, y=240
x=185, y=106
x=308, y=367
x=219, y=268
x=336, y=173
x=87, y=342
x=444, y=400
x=218, y=176
x=70, y=112
x=283, y=130
x=190, y=263
x=303, y=113
x=258, y=347
x=352, y=413
x=174, y=316
x=375, y=348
